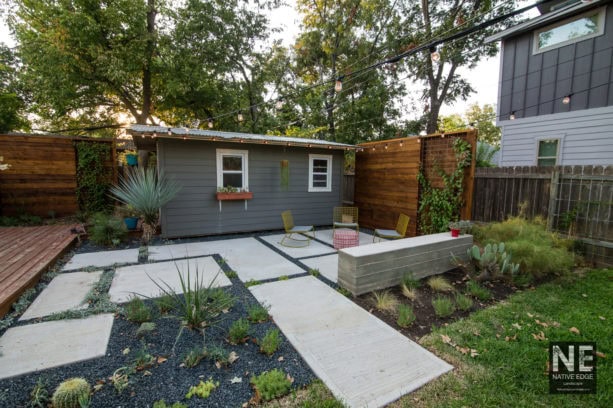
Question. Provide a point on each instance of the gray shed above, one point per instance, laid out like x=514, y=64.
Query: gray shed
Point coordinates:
x=273, y=174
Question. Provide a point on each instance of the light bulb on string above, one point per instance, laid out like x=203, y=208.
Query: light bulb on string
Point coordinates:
x=210, y=123
x=512, y=116
x=279, y=104
x=338, y=86
x=240, y=116
x=566, y=100
x=434, y=54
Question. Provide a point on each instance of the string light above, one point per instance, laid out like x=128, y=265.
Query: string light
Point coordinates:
x=154, y=135
x=401, y=143
x=338, y=86
x=240, y=116
x=442, y=135
x=434, y=54
x=210, y=123
x=566, y=100
x=169, y=132
x=279, y=103
x=512, y=116
x=386, y=146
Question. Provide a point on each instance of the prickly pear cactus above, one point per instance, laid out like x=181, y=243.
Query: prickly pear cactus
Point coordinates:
x=68, y=393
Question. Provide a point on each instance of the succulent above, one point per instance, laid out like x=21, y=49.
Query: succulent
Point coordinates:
x=70, y=393
x=492, y=261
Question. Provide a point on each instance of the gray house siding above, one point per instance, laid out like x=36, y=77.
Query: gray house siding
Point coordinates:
x=534, y=84
x=585, y=138
x=195, y=210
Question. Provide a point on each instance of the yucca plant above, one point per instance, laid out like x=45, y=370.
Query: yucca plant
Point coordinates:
x=146, y=191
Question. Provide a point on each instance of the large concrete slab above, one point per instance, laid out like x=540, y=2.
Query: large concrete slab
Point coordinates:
x=140, y=280
x=190, y=249
x=66, y=291
x=102, y=259
x=40, y=346
x=314, y=248
x=327, y=265
x=326, y=236
x=363, y=361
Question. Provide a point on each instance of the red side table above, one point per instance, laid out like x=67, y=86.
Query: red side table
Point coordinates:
x=344, y=238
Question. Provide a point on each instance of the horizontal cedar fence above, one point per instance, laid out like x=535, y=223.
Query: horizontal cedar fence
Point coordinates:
x=386, y=177
x=575, y=200
x=42, y=177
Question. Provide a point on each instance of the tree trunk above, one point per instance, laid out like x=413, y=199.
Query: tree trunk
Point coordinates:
x=149, y=50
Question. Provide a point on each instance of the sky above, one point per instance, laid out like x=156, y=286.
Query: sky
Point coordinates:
x=483, y=78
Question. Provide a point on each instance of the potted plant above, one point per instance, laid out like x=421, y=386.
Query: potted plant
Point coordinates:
x=130, y=216
x=233, y=193
x=131, y=159
x=454, y=226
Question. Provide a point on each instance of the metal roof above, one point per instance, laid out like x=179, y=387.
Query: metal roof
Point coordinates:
x=545, y=19
x=216, y=135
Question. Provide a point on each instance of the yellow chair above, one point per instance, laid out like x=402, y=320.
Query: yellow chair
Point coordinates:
x=399, y=232
x=345, y=217
x=290, y=229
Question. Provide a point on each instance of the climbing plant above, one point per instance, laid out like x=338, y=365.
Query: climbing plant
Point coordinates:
x=93, y=178
x=439, y=206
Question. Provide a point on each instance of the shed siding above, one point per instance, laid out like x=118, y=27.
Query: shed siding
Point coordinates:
x=586, y=138
x=195, y=210
x=533, y=85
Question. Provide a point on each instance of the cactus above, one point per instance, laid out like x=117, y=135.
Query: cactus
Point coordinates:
x=70, y=393
x=492, y=262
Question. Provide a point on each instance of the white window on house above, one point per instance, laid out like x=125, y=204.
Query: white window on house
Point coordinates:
x=232, y=169
x=578, y=28
x=547, y=152
x=320, y=173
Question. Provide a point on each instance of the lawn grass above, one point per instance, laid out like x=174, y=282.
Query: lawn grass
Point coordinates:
x=510, y=368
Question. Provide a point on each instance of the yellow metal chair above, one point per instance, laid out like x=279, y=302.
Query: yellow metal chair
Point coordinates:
x=345, y=217
x=291, y=229
x=399, y=232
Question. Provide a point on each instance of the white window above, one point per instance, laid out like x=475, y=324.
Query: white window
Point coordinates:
x=320, y=173
x=232, y=169
x=547, y=154
x=587, y=25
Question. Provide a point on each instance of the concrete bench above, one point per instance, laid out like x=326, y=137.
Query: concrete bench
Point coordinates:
x=382, y=265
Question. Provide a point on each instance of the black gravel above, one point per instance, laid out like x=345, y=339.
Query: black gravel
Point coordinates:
x=167, y=380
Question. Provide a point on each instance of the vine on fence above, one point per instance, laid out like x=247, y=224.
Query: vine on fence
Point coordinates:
x=439, y=206
x=93, y=179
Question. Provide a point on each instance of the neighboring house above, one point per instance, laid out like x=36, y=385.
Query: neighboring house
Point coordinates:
x=555, y=96
x=282, y=173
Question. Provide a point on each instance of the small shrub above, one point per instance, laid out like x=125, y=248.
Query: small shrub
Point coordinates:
x=39, y=396
x=440, y=284
x=406, y=317
x=314, y=272
x=144, y=328
x=218, y=354
x=121, y=378
x=164, y=303
x=271, y=384
x=252, y=282
x=203, y=389
x=193, y=357
x=231, y=274
x=143, y=359
x=443, y=306
x=221, y=297
x=106, y=230
x=137, y=311
x=283, y=277
x=463, y=302
x=70, y=392
x=239, y=331
x=409, y=280
x=270, y=342
x=162, y=404
x=478, y=291
x=343, y=291
x=258, y=313
x=384, y=301
x=409, y=293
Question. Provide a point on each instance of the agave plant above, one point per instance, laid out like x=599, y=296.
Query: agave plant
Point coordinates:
x=146, y=191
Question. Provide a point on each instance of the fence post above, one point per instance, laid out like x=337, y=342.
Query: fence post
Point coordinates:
x=553, y=195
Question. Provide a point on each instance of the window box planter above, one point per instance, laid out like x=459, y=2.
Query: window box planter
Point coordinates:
x=245, y=195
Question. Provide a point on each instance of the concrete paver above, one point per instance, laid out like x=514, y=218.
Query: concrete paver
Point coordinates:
x=327, y=265
x=363, y=361
x=66, y=291
x=40, y=346
x=138, y=280
x=101, y=259
x=314, y=248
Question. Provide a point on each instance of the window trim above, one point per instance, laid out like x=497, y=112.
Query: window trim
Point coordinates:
x=601, y=28
x=220, y=153
x=558, y=150
x=328, y=187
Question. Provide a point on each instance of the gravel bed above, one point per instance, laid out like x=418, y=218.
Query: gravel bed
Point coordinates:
x=167, y=380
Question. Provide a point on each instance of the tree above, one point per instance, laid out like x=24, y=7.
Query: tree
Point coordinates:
x=484, y=120
x=451, y=123
x=429, y=20
x=12, y=104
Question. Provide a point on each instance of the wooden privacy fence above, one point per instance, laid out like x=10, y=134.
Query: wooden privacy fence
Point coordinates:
x=386, y=176
x=575, y=200
x=42, y=177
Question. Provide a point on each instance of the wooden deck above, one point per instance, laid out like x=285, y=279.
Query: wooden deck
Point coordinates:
x=25, y=253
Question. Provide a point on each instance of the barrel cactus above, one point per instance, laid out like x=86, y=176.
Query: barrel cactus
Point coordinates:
x=71, y=393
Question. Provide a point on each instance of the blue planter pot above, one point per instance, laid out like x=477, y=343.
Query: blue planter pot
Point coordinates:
x=132, y=159
x=131, y=222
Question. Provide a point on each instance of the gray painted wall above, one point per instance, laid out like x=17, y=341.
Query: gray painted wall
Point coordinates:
x=195, y=210
x=534, y=85
x=586, y=138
